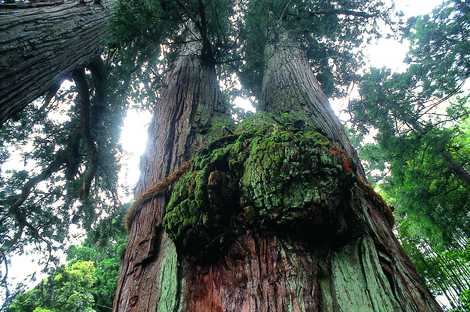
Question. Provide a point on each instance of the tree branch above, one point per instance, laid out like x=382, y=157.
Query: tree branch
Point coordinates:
x=343, y=12
x=55, y=166
x=92, y=154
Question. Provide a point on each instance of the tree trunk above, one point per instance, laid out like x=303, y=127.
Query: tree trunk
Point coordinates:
x=369, y=273
x=363, y=270
x=183, y=114
x=455, y=167
x=39, y=45
x=294, y=88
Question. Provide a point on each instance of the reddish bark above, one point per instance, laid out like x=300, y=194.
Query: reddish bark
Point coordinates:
x=184, y=111
x=254, y=276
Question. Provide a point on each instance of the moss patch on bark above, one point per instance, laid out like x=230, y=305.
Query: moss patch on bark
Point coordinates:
x=275, y=173
x=168, y=279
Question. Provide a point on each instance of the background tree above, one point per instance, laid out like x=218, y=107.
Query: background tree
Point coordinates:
x=433, y=229
x=87, y=281
x=421, y=152
x=69, y=141
x=69, y=145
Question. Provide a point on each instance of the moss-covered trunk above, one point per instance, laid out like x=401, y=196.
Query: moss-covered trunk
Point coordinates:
x=278, y=215
x=39, y=44
x=272, y=215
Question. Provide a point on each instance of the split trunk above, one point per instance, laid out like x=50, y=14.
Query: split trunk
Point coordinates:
x=345, y=256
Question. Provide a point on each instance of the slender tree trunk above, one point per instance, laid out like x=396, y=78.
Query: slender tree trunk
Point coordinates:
x=148, y=279
x=290, y=86
x=39, y=45
x=455, y=167
x=451, y=163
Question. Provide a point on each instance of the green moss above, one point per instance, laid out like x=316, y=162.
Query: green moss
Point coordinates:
x=220, y=125
x=168, y=279
x=289, y=174
x=188, y=197
x=273, y=172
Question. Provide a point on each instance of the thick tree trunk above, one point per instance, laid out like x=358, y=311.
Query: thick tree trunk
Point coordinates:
x=369, y=273
x=38, y=45
x=183, y=114
x=365, y=270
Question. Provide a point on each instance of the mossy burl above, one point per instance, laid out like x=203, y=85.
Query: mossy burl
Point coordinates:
x=272, y=173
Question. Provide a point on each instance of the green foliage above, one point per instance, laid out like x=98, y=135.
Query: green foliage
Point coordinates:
x=445, y=272
x=53, y=178
x=438, y=59
x=440, y=48
x=141, y=22
x=465, y=298
x=431, y=207
x=417, y=100
x=149, y=25
x=431, y=202
x=422, y=130
x=87, y=281
x=149, y=35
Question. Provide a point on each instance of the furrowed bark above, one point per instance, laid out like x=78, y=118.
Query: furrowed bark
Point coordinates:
x=370, y=272
x=39, y=45
x=294, y=88
x=148, y=277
